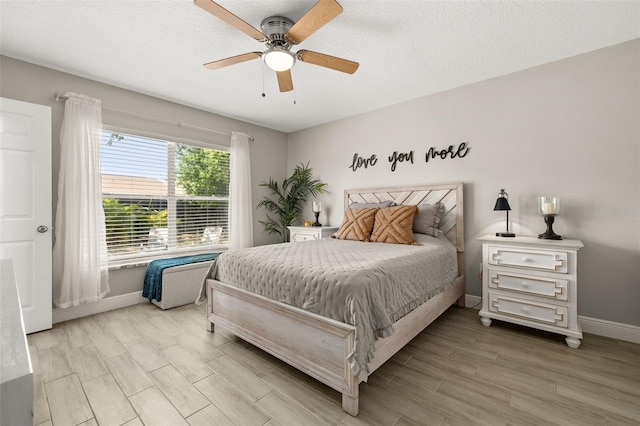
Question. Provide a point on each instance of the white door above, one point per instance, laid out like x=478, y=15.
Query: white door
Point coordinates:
x=25, y=205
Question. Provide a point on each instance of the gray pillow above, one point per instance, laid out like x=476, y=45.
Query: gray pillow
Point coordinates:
x=380, y=205
x=428, y=219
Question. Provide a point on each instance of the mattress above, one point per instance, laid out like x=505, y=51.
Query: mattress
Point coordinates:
x=368, y=285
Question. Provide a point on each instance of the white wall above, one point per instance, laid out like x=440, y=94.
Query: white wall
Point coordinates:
x=569, y=129
x=31, y=83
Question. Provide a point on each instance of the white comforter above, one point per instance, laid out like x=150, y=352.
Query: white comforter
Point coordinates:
x=367, y=285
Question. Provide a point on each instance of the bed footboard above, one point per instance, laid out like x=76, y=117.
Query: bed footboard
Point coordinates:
x=316, y=345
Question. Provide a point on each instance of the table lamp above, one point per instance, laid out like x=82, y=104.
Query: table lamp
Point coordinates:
x=502, y=204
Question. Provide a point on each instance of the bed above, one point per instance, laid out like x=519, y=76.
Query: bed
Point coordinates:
x=323, y=347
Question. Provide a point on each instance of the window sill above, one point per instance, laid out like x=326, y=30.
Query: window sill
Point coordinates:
x=144, y=261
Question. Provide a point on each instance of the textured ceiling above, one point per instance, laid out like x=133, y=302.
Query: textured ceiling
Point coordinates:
x=406, y=49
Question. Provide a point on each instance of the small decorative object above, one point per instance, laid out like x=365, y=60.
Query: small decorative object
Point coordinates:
x=307, y=223
x=317, y=208
x=502, y=204
x=549, y=207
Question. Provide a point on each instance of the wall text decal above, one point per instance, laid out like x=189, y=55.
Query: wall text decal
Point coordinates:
x=461, y=152
x=396, y=158
x=363, y=162
x=452, y=152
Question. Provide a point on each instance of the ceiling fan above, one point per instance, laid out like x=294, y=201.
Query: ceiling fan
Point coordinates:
x=280, y=34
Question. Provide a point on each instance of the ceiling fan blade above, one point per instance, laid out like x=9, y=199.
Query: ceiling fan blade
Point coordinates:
x=328, y=61
x=284, y=81
x=220, y=12
x=321, y=13
x=232, y=60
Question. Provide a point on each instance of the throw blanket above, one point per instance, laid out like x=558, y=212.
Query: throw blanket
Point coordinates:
x=153, y=276
x=367, y=285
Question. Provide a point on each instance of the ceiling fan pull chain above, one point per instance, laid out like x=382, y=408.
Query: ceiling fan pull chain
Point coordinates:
x=263, y=71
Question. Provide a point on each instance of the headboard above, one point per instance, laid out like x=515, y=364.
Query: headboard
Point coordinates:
x=452, y=223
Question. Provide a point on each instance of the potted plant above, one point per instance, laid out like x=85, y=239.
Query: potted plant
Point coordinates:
x=288, y=199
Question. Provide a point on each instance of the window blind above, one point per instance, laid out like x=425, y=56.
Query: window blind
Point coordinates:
x=162, y=196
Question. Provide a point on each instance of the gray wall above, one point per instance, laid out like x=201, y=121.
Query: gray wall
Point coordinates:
x=569, y=129
x=31, y=83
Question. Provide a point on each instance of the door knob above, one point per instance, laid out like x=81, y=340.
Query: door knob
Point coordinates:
x=42, y=229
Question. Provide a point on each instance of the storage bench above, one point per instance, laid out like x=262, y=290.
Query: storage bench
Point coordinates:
x=176, y=281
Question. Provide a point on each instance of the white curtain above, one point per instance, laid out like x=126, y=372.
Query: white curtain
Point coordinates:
x=240, y=204
x=80, y=269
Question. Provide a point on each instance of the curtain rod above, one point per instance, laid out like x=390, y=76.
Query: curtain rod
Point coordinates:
x=59, y=97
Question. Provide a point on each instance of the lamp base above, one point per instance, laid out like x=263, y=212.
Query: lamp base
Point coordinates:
x=505, y=234
x=549, y=234
x=546, y=236
x=316, y=223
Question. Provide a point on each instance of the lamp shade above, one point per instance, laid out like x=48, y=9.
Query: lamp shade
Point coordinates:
x=502, y=204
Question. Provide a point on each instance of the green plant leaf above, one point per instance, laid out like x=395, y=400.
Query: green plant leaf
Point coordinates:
x=288, y=199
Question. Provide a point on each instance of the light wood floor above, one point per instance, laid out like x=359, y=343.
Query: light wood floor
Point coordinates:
x=141, y=365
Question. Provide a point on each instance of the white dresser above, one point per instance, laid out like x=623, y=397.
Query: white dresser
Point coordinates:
x=532, y=282
x=16, y=372
x=306, y=233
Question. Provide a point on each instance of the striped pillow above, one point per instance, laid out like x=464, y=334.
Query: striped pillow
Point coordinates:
x=357, y=224
x=394, y=225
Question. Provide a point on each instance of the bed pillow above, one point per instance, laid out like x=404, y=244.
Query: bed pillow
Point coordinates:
x=380, y=205
x=427, y=220
x=394, y=225
x=357, y=224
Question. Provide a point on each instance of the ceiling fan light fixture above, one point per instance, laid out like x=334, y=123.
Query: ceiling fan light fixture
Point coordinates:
x=279, y=34
x=279, y=59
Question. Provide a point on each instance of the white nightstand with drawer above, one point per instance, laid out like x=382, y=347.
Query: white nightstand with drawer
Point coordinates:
x=532, y=282
x=307, y=233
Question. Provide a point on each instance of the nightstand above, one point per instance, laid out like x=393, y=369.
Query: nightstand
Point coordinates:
x=532, y=282
x=307, y=233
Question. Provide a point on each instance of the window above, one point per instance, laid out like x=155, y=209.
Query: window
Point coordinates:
x=161, y=196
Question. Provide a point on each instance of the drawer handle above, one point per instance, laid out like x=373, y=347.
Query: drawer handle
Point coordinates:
x=526, y=310
x=525, y=285
x=526, y=259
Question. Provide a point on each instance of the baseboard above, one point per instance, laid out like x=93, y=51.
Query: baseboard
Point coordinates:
x=471, y=301
x=107, y=304
x=615, y=330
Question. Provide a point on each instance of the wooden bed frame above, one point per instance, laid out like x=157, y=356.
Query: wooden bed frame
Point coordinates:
x=319, y=346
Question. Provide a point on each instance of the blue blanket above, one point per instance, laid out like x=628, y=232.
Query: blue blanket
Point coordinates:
x=153, y=276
